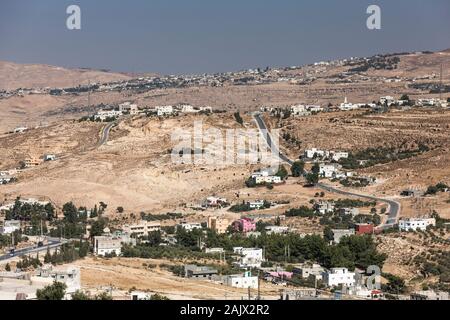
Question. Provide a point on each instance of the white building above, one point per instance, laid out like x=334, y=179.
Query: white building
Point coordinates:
x=49, y=157
x=104, y=245
x=276, y=230
x=265, y=177
x=189, y=226
x=257, y=204
x=143, y=228
x=250, y=257
x=20, y=129
x=339, y=276
x=427, y=102
x=347, y=106
x=430, y=295
x=316, y=153
x=299, y=110
x=132, y=109
x=328, y=170
x=338, y=234
x=312, y=108
x=164, y=111
x=388, y=100
x=338, y=155
x=215, y=250
x=324, y=207
x=186, y=108
x=105, y=114
x=70, y=276
x=415, y=224
x=349, y=211
x=10, y=226
x=244, y=281
x=215, y=202
x=206, y=109
x=308, y=270
x=140, y=295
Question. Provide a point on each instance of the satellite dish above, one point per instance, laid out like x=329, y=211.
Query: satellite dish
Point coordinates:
x=106, y=230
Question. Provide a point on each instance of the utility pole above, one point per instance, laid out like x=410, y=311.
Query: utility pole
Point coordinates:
x=440, y=84
x=259, y=286
x=89, y=93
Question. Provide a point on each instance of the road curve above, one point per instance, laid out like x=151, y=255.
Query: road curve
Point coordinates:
x=105, y=133
x=393, y=206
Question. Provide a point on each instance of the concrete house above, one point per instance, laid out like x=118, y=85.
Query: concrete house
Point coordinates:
x=324, y=207
x=415, y=224
x=338, y=234
x=339, y=276
x=249, y=257
x=242, y=281
x=197, y=272
x=104, y=245
x=219, y=225
x=309, y=270
x=143, y=228
x=164, y=111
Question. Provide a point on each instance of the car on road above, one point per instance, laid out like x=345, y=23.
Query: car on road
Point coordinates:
x=12, y=252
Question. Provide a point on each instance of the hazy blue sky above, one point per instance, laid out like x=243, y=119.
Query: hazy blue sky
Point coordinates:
x=194, y=36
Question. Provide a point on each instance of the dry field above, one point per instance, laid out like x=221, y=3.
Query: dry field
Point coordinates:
x=125, y=274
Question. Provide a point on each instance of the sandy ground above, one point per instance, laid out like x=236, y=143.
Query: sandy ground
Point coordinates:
x=125, y=274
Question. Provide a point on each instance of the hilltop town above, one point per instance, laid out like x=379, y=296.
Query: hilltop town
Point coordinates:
x=95, y=192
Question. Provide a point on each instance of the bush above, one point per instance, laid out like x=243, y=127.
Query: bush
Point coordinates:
x=56, y=291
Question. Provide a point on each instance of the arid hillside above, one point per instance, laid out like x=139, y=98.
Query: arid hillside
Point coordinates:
x=14, y=76
x=134, y=169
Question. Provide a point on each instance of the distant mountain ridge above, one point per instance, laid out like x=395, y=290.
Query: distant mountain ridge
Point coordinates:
x=14, y=76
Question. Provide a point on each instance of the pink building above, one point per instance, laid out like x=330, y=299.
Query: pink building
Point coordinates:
x=281, y=274
x=244, y=225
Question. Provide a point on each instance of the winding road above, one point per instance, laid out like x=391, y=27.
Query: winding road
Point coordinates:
x=105, y=133
x=394, y=207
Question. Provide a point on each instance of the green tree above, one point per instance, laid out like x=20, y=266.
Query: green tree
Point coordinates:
x=103, y=296
x=7, y=267
x=80, y=295
x=48, y=256
x=395, y=285
x=70, y=212
x=282, y=172
x=56, y=291
x=98, y=226
x=312, y=178
x=94, y=213
x=298, y=168
x=328, y=234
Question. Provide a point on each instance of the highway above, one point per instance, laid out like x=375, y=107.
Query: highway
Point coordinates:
x=394, y=207
x=52, y=243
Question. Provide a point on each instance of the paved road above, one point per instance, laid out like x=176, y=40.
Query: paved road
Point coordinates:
x=394, y=207
x=263, y=128
x=105, y=133
x=52, y=243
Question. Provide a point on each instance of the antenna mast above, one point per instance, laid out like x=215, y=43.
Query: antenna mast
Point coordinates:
x=440, y=84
